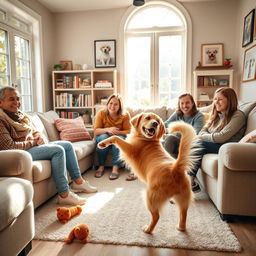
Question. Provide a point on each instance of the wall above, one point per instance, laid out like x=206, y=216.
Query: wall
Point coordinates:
x=247, y=89
x=48, y=47
x=70, y=36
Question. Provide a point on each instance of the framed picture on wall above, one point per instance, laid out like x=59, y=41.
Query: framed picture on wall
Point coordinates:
x=212, y=55
x=249, y=69
x=248, y=28
x=105, y=53
x=66, y=64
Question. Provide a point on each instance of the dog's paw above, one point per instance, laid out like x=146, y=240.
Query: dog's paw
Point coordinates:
x=146, y=229
x=181, y=228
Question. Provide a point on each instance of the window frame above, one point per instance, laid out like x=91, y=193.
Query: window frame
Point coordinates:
x=187, y=47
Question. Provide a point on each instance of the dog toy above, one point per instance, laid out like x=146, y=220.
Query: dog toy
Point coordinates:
x=79, y=232
x=64, y=214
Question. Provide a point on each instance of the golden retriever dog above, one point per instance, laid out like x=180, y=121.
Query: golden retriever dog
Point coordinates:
x=164, y=176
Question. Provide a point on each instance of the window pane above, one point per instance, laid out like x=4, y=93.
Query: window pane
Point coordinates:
x=26, y=103
x=4, y=71
x=170, y=54
x=23, y=77
x=138, y=71
x=155, y=17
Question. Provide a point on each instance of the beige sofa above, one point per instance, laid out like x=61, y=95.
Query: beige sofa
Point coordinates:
x=228, y=177
x=17, y=226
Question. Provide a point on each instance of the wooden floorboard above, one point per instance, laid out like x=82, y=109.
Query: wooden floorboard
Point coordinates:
x=243, y=227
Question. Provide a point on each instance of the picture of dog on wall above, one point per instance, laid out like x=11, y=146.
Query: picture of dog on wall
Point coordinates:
x=212, y=55
x=105, y=53
x=166, y=177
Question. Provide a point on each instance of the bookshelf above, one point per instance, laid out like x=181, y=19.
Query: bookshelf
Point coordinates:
x=81, y=92
x=207, y=81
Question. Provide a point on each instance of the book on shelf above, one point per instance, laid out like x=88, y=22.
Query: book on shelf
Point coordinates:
x=103, y=84
x=68, y=114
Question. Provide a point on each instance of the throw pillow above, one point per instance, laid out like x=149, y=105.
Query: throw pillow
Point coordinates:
x=72, y=129
x=250, y=137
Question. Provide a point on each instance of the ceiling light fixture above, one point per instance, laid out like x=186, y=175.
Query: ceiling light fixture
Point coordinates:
x=138, y=2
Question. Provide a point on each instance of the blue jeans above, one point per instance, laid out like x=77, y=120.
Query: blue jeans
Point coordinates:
x=102, y=153
x=62, y=157
x=204, y=147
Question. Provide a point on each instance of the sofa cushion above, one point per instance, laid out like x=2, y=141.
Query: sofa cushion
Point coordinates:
x=210, y=165
x=84, y=148
x=160, y=111
x=246, y=107
x=251, y=121
x=41, y=170
x=38, y=123
x=16, y=194
x=48, y=121
x=249, y=138
x=72, y=129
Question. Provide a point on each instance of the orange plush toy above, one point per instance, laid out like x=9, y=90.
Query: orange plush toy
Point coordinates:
x=79, y=232
x=64, y=214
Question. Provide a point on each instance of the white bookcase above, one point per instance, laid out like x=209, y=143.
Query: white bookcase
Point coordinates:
x=207, y=81
x=81, y=92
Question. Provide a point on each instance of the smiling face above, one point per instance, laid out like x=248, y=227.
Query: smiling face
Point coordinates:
x=113, y=106
x=10, y=101
x=149, y=125
x=220, y=102
x=186, y=105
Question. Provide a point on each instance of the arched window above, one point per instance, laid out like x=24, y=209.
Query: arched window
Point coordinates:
x=155, y=54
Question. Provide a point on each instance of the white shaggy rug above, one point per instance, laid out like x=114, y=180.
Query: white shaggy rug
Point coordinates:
x=117, y=213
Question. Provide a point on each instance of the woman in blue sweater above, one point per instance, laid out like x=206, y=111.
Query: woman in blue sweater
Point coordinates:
x=187, y=112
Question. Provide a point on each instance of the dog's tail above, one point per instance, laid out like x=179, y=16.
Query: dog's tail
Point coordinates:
x=186, y=157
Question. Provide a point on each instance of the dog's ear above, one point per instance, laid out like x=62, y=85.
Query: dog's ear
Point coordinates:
x=109, y=48
x=136, y=120
x=161, y=129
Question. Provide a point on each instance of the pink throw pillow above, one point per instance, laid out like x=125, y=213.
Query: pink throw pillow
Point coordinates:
x=72, y=129
x=250, y=137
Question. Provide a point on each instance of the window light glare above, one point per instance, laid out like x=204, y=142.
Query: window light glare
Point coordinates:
x=155, y=17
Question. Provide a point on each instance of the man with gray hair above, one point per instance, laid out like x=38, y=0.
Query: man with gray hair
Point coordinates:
x=18, y=132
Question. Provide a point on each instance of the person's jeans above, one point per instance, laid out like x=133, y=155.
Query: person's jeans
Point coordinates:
x=62, y=157
x=102, y=153
x=171, y=144
x=204, y=147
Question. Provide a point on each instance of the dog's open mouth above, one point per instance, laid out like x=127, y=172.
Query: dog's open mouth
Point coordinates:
x=149, y=132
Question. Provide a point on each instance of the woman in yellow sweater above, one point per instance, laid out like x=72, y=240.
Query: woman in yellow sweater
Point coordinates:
x=112, y=120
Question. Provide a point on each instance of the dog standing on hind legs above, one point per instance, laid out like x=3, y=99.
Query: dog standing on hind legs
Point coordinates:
x=164, y=176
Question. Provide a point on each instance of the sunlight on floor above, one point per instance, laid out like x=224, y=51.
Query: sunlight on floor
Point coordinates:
x=97, y=201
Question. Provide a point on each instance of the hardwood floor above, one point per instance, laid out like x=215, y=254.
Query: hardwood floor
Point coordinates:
x=244, y=228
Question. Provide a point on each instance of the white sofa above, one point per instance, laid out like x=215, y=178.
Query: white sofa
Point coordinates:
x=228, y=177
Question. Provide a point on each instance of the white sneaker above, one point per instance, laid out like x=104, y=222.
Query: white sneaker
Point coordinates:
x=71, y=199
x=84, y=187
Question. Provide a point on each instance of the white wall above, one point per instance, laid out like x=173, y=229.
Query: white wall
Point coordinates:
x=48, y=47
x=247, y=89
x=70, y=36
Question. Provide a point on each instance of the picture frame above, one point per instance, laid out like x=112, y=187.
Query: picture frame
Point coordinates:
x=105, y=53
x=248, y=28
x=212, y=55
x=223, y=82
x=249, y=68
x=66, y=64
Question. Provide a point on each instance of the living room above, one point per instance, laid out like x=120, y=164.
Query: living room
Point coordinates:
x=69, y=31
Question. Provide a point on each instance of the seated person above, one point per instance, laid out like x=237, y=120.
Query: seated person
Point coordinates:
x=112, y=120
x=226, y=124
x=187, y=112
x=18, y=132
